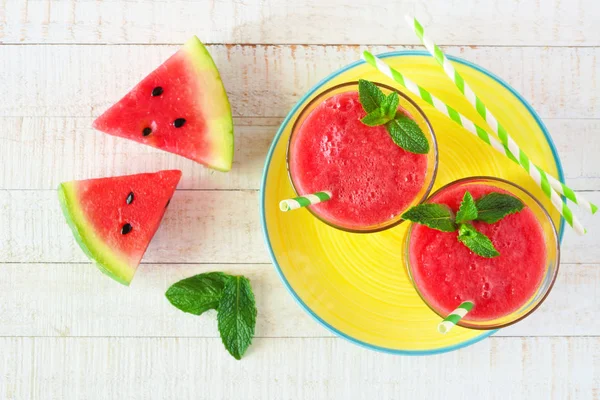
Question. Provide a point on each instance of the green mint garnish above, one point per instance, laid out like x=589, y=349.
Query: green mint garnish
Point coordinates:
x=495, y=206
x=382, y=110
x=467, y=210
x=370, y=96
x=390, y=105
x=476, y=241
x=435, y=216
x=375, y=118
x=237, y=316
x=406, y=133
x=198, y=293
x=231, y=296
x=489, y=208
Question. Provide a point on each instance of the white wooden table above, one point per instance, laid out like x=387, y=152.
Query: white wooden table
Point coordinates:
x=67, y=332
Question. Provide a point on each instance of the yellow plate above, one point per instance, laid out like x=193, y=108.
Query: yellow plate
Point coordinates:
x=356, y=285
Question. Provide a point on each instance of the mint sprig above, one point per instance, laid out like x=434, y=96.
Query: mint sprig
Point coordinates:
x=233, y=299
x=476, y=241
x=435, y=216
x=495, y=206
x=490, y=208
x=406, y=133
x=198, y=293
x=383, y=110
x=390, y=105
x=237, y=316
x=375, y=118
x=468, y=209
x=369, y=95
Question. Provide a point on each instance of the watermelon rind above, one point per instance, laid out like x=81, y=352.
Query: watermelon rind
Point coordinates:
x=216, y=106
x=103, y=256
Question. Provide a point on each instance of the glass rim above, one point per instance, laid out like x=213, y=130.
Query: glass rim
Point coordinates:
x=318, y=98
x=556, y=245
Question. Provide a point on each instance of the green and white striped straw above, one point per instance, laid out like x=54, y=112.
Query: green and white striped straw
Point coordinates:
x=476, y=130
x=482, y=110
x=487, y=115
x=303, y=201
x=451, y=320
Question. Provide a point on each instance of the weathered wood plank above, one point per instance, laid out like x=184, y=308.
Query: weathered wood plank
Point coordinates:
x=199, y=227
x=266, y=81
x=76, y=300
x=499, y=22
x=324, y=368
x=39, y=153
x=48, y=150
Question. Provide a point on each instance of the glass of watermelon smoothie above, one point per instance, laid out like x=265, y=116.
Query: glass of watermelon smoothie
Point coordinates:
x=504, y=289
x=372, y=180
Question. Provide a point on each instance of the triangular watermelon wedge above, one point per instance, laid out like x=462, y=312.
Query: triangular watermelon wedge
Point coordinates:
x=181, y=107
x=114, y=219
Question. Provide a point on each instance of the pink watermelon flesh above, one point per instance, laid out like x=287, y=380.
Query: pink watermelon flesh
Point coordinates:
x=98, y=211
x=181, y=107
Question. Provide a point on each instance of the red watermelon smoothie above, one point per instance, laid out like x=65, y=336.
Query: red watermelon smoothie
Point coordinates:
x=372, y=180
x=504, y=288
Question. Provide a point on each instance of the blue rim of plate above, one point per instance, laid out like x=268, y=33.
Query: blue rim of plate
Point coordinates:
x=263, y=220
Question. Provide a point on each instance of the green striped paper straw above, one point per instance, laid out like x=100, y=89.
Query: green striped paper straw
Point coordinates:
x=451, y=320
x=303, y=201
x=487, y=115
x=476, y=130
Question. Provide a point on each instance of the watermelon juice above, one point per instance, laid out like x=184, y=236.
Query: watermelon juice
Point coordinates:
x=372, y=180
x=504, y=288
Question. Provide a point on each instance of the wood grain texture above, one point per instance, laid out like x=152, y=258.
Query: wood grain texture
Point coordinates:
x=328, y=368
x=47, y=151
x=76, y=300
x=497, y=22
x=67, y=332
x=50, y=150
x=199, y=227
x=266, y=81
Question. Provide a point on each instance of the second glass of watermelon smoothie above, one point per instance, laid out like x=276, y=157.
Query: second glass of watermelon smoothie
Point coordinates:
x=504, y=289
x=372, y=180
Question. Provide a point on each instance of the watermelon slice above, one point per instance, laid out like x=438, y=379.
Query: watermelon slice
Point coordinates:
x=114, y=219
x=181, y=107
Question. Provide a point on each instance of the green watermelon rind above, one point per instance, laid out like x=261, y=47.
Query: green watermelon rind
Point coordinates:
x=220, y=123
x=102, y=256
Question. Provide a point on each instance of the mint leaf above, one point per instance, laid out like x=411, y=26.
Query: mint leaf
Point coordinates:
x=237, y=316
x=435, y=216
x=467, y=210
x=390, y=105
x=198, y=293
x=476, y=241
x=375, y=118
x=383, y=114
x=370, y=96
x=406, y=133
x=495, y=206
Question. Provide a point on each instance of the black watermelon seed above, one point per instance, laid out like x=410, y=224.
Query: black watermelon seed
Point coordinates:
x=146, y=131
x=168, y=202
x=129, y=197
x=179, y=122
x=157, y=91
x=126, y=229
